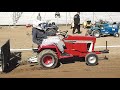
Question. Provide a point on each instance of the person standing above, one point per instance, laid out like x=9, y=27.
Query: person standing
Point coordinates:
x=39, y=17
x=77, y=23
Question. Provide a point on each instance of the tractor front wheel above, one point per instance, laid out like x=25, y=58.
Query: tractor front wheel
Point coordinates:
x=47, y=59
x=91, y=59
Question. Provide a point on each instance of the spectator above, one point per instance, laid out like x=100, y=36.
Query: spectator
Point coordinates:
x=57, y=14
x=77, y=23
x=39, y=17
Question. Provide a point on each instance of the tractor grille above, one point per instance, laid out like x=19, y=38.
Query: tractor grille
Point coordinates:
x=88, y=46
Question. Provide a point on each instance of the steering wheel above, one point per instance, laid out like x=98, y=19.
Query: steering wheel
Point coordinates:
x=64, y=33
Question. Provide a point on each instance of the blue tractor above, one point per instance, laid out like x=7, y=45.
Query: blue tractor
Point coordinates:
x=102, y=29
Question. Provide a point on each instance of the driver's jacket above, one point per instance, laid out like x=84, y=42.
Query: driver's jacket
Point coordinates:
x=38, y=35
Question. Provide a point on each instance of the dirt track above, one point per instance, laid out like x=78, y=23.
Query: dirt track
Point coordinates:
x=20, y=37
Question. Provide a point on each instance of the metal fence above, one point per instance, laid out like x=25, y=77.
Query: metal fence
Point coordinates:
x=23, y=18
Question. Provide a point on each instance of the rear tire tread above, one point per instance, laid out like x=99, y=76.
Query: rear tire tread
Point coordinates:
x=45, y=52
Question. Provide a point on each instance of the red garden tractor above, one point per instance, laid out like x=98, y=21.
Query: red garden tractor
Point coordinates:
x=80, y=46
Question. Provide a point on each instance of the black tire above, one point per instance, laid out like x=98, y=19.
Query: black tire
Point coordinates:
x=116, y=35
x=48, y=53
x=89, y=57
x=96, y=33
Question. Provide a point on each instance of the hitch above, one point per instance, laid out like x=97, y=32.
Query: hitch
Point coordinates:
x=106, y=45
x=106, y=50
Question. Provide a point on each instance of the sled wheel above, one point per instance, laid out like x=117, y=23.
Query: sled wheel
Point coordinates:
x=96, y=33
x=47, y=59
x=91, y=59
x=116, y=34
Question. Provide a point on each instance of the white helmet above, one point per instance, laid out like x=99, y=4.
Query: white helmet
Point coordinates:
x=37, y=25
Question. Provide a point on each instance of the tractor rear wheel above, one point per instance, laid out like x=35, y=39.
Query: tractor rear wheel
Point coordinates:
x=48, y=59
x=91, y=59
x=96, y=33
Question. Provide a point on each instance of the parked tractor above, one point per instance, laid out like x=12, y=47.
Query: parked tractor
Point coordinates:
x=87, y=24
x=103, y=29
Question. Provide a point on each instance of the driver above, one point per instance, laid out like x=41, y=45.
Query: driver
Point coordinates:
x=40, y=37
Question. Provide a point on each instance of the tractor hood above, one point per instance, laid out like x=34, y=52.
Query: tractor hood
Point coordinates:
x=85, y=39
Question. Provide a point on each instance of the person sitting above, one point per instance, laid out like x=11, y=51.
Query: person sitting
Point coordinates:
x=115, y=25
x=40, y=37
